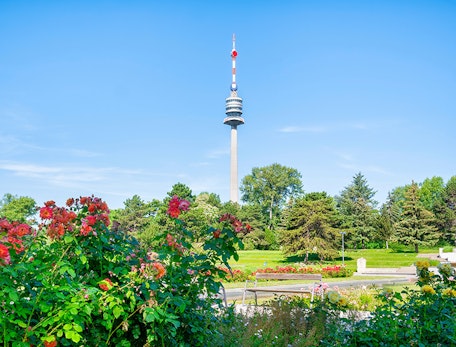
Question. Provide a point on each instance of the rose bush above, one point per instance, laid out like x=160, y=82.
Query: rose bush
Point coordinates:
x=73, y=281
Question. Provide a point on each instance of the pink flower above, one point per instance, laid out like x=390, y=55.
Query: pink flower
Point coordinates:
x=184, y=205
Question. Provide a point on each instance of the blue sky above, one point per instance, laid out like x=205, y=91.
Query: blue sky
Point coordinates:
x=116, y=98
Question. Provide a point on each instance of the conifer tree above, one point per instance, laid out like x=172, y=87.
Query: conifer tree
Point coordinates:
x=416, y=226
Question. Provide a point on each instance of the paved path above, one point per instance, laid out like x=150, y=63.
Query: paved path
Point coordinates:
x=236, y=293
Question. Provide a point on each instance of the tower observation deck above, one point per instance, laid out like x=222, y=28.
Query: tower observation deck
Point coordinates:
x=233, y=118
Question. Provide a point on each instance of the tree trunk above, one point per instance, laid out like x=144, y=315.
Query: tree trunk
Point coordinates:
x=386, y=244
x=270, y=214
x=416, y=248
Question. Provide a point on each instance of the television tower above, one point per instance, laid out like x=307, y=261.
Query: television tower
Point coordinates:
x=233, y=119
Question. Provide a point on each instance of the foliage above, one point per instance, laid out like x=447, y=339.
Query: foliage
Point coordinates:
x=410, y=318
x=423, y=317
x=416, y=226
x=74, y=281
x=282, y=322
x=16, y=208
x=311, y=227
x=389, y=215
x=356, y=204
x=269, y=187
x=181, y=190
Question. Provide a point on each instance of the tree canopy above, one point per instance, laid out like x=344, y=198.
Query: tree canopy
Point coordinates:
x=16, y=208
x=417, y=225
x=270, y=186
x=311, y=227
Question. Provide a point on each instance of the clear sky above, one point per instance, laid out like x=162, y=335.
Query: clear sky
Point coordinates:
x=116, y=98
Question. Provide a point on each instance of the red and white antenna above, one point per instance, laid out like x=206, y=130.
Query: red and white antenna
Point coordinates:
x=233, y=59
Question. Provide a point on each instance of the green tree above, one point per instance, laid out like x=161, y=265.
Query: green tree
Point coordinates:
x=182, y=191
x=269, y=187
x=135, y=216
x=311, y=227
x=431, y=191
x=357, y=206
x=389, y=215
x=417, y=225
x=16, y=208
x=445, y=212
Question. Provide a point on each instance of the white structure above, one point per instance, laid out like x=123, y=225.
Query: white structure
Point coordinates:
x=233, y=119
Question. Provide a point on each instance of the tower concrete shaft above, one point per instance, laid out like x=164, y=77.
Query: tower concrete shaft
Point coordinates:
x=233, y=119
x=234, y=191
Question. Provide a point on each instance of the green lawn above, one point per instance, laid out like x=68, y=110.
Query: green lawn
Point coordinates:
x=253, y=260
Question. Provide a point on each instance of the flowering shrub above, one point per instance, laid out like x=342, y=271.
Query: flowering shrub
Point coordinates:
x=236, y=275
x=73, y=281
x=423, y=317
x=329, y=271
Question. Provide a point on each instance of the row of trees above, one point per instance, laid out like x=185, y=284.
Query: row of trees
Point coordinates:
x=282, y=216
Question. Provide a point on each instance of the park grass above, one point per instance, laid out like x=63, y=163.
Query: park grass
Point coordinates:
x=380, y=258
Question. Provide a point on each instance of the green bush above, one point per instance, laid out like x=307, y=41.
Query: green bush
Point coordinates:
x=74, y=281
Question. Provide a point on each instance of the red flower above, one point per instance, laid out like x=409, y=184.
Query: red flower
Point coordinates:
x=50, y=344
x=160, y=268
x=177, y=205
x=106, y=284
x=49, y=203
x=20, y=230
x=70, y=202
x=46, y=212
x=85, y=229
x=91, y=220
x=92, y=208
x=4, y=224
x=216, y=234
x=4, y=254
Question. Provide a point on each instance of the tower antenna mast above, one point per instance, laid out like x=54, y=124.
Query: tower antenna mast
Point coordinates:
x=233, y=119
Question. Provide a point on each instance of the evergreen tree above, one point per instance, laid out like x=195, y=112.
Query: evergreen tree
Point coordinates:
x=311, y=227
x=417, y=225
x=445, y=212
x=389, y=215
x=356, y=205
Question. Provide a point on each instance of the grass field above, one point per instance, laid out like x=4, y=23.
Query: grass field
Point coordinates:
x=253, y=260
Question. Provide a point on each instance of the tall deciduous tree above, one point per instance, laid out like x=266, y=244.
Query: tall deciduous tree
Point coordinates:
x=417, y=225
x=357, y=205
x=270, y=186
x=16, y=208
x=311, y=227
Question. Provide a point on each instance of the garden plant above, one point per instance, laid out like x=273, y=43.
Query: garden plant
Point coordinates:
x=73, y=281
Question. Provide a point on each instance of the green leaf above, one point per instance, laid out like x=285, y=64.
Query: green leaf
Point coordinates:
x=76, y=337
x=83, y=259
x=77, y=328
x=68, y=239
x=21, y=324
x=71, y=273
x=117, y=311
x=67, y=327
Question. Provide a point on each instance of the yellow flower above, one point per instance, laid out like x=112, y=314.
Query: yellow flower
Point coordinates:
x=343, y=301
x=422, y=264
x=333, y=297
x=427, y=289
